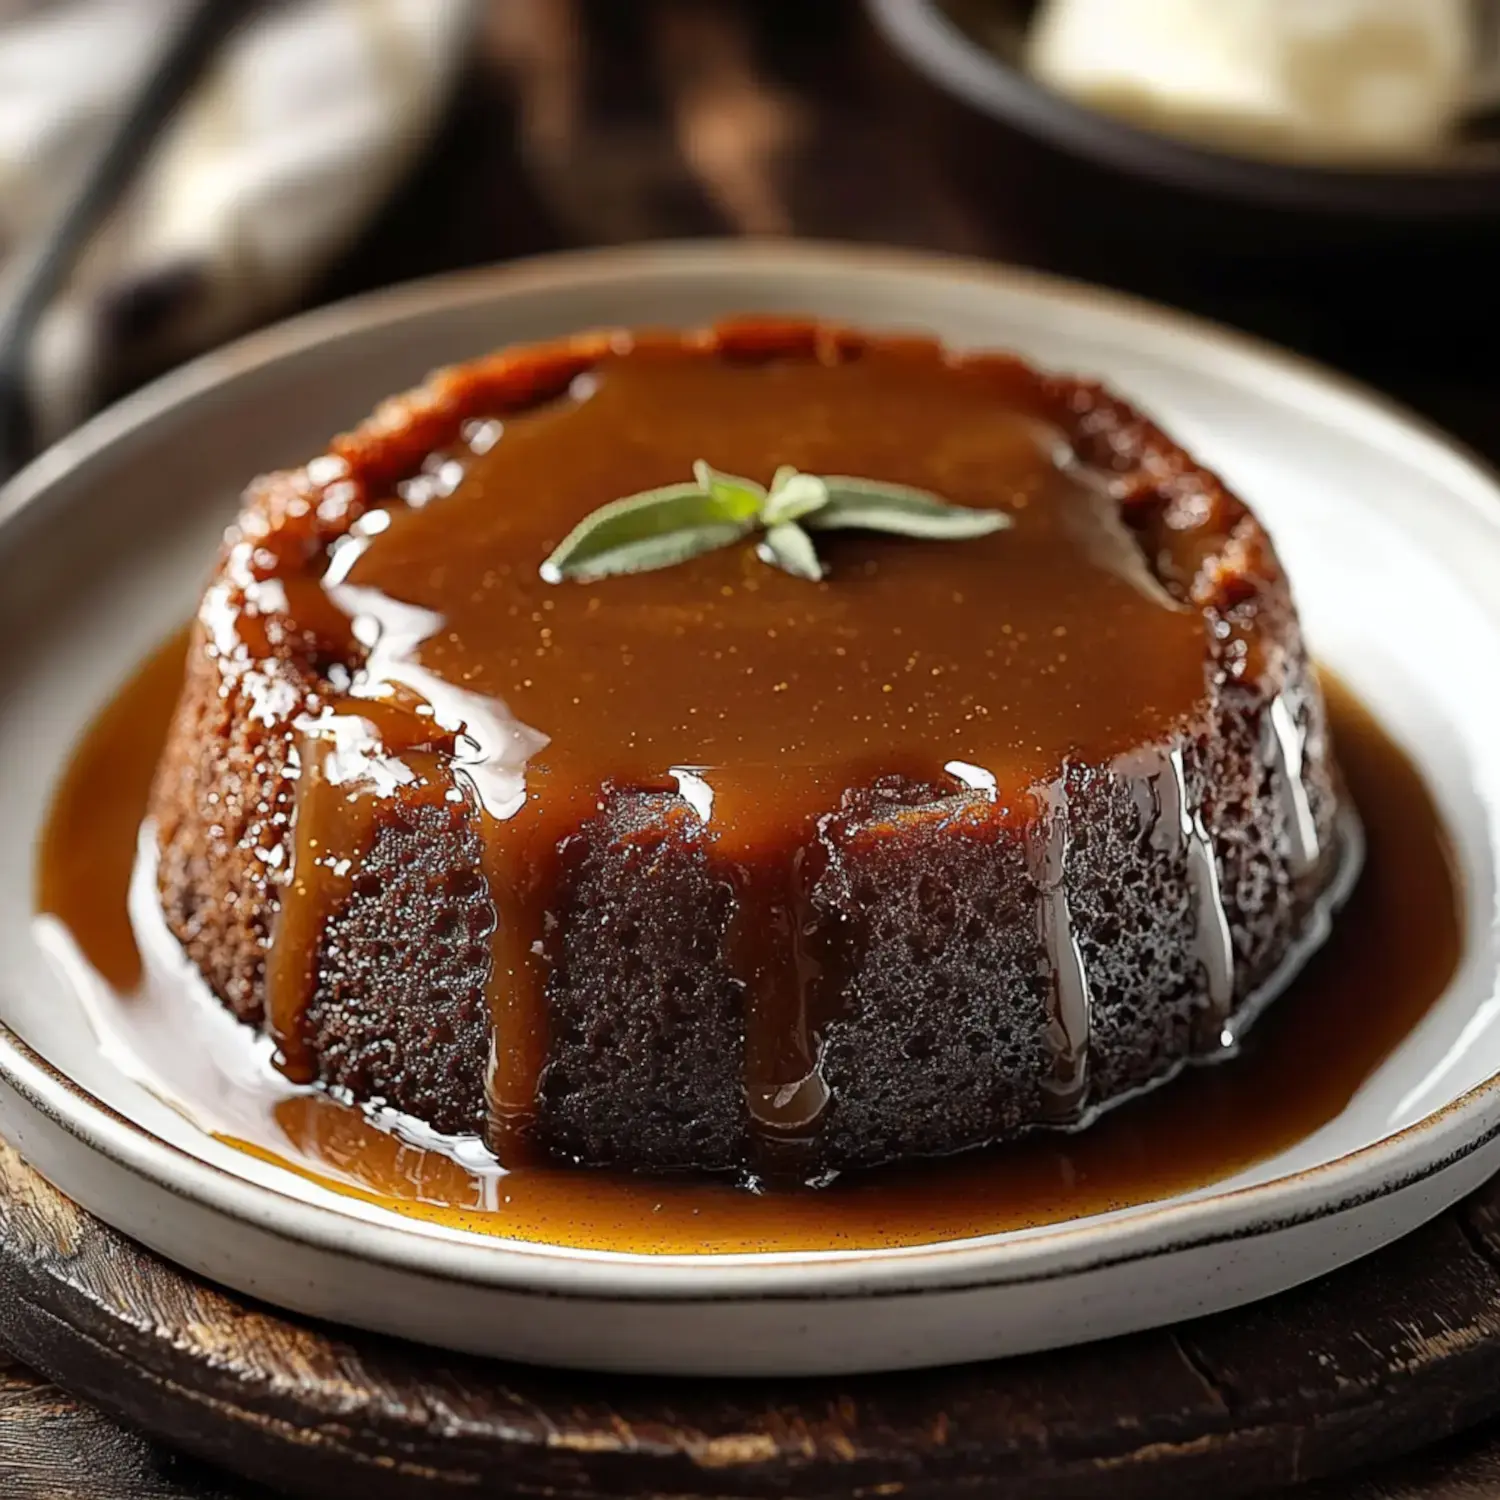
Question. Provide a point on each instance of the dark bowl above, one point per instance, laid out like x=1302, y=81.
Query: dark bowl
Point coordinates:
x=970, y=50
x=1390, y=272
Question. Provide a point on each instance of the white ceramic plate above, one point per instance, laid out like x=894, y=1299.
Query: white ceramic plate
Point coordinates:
x=1393, y=540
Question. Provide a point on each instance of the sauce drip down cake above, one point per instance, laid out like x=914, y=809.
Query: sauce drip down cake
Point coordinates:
x=781, y=859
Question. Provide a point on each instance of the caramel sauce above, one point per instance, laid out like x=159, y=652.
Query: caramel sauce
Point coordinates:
x=762, y=698
x=1391, y=954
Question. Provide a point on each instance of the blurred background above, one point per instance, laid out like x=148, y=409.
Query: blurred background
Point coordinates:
x=173, y=173
x=1323, y=172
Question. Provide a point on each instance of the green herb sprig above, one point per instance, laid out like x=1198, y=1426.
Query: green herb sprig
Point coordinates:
x=659, y=528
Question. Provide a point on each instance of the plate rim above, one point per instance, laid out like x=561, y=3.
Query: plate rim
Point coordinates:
x=1379, y=1169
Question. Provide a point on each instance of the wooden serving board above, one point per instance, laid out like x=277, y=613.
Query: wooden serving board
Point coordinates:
x=1389, y=1354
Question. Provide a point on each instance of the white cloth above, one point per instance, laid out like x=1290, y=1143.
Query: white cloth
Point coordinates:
x=302, y=125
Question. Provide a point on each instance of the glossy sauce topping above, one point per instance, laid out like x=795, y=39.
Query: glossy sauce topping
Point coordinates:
x=1392, y=953
x=1007, y=652
x=760, y=697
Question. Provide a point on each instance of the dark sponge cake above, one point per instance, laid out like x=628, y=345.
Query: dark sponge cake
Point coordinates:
x=945, y=895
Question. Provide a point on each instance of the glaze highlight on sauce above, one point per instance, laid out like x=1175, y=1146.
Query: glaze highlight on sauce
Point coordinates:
x=1173, y=825
x=1069, y=1004
x=1391, y=955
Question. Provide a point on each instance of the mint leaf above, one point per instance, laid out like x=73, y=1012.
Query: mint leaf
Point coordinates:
x=900, y=510
x=643, y=532
x=662, y=527
x=788, y=547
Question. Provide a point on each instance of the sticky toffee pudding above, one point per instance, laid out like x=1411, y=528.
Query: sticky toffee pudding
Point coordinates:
x=778, y=861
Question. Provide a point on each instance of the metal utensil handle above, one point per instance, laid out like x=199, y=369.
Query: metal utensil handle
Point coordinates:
x=50, y=260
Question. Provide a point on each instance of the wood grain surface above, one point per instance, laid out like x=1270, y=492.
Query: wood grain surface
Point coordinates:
x=605, y=121
x=55, y=1447
x=1392, y=1353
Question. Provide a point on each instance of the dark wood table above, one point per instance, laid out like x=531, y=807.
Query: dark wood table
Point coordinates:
x=585, y=122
